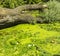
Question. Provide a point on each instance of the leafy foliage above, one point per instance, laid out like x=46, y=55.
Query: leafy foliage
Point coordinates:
x=52, y=14
x=11, y=3
x=32, y=1
x=15, y=3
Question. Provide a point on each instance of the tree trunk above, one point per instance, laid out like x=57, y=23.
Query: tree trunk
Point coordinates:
x=18, y=10
x=11, y=17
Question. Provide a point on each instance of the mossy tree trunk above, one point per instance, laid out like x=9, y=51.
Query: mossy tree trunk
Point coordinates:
x=10, y=17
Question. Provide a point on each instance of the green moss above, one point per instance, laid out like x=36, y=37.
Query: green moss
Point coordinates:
x=30, y=40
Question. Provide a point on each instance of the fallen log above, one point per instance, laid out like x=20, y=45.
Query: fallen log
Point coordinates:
x=9, y=21
x=11, y=17
x=18, y=10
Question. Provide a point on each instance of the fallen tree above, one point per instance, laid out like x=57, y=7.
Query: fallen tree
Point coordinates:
x=10, y=17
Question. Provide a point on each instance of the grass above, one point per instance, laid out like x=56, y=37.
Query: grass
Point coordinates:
x=30, y=40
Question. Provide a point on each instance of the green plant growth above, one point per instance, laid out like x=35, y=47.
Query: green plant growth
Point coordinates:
x=32, y=1
x=30, y=40
x=11, y=3
x=15, y=3
x=52, y=14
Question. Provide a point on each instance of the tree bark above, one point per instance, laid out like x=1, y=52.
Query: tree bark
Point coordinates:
x=11, y=17
x=18, y=10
